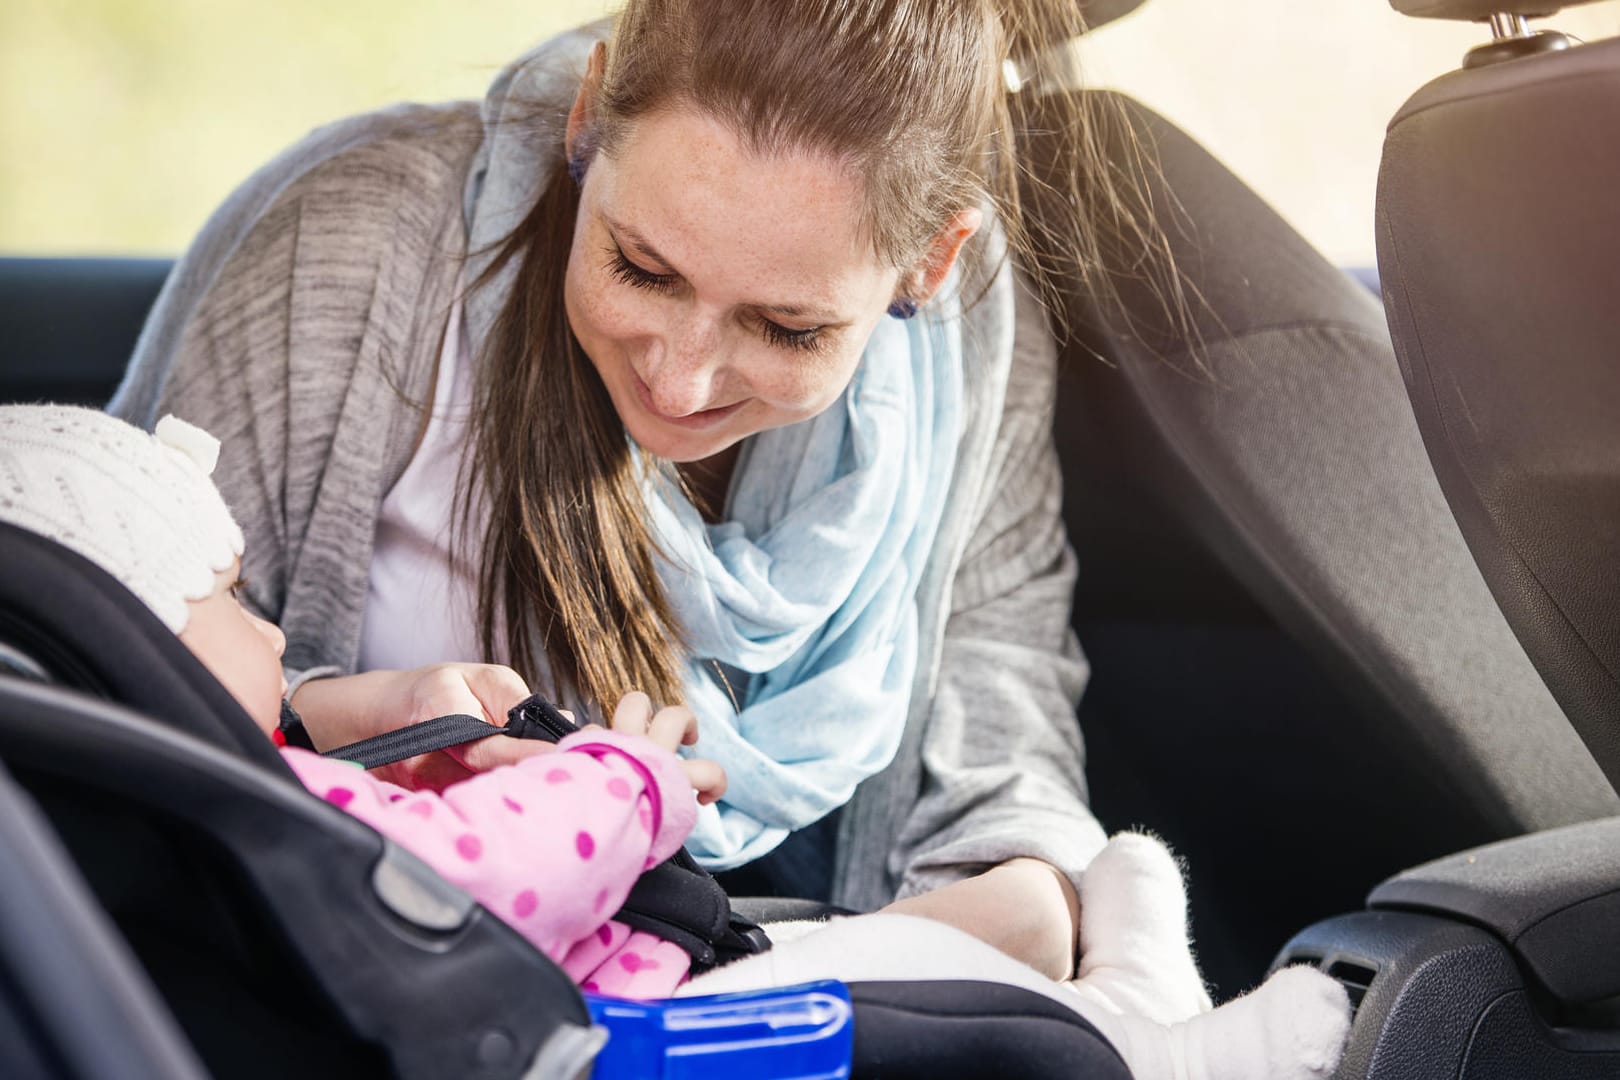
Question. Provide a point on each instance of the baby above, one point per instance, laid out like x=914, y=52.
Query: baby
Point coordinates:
x=553, y=844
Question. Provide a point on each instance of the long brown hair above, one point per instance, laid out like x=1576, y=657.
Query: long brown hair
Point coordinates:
x=913, y=96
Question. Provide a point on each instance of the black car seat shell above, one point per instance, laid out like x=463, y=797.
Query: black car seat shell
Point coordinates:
x=199, y=842
x=286, y=937
x=61, y=961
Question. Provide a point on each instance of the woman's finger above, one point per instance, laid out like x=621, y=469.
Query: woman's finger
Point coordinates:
x=496, y=687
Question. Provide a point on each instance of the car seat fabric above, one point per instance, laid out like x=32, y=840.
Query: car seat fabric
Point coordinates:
x=939, y=1031
x=1499, y=246
x=1276, y=442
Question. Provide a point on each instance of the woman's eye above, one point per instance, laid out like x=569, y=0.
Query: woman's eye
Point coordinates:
x=237, y=586
x=805, y=340
x=620, y=266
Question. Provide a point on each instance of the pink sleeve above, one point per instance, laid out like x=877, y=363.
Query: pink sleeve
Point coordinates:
x=552, y=844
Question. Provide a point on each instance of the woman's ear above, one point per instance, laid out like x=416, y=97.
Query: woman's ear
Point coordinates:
x=582, y=117
x=943, y=251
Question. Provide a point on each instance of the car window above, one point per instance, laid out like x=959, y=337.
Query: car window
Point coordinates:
x=1294, y=97
x=123, y=123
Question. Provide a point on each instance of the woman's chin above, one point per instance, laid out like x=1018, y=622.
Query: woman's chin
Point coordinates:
x=681, y=450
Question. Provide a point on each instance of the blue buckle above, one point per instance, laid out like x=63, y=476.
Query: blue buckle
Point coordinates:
x=804, y=1032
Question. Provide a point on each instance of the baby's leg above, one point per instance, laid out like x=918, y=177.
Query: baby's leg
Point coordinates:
x=1290, y=1029
x=872, y=948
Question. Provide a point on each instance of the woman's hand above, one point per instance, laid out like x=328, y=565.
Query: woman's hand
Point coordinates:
x=339, y=711
x=671, y=727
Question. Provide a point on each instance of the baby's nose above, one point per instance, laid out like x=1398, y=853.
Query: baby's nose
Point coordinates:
x=273, y=634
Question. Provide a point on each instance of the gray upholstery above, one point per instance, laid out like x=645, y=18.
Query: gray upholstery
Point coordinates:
x=1552, y=897
x=1499, y=247
x=1293, y=462
x=1297, y=459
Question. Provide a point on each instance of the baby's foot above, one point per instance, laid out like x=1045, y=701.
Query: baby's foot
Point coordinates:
x=1292, y=1028
x=1134, y=954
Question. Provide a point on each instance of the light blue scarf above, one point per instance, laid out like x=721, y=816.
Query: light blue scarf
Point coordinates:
x=810, y=588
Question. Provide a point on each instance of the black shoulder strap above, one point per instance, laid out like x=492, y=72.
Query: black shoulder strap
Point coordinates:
x=532, y=718
x=413, y=739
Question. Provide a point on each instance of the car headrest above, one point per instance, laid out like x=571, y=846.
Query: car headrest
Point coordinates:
x=1481, y=10
x=1097, y=12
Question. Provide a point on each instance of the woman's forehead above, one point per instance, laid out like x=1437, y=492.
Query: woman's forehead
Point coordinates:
x=682, y=188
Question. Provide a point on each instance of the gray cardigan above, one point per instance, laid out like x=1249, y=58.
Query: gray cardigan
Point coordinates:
x=306, y=320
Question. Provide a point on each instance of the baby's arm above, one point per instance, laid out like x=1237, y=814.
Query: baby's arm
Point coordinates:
x=552, y=844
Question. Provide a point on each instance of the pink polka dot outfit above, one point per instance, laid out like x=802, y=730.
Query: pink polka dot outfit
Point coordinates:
x=552, y=845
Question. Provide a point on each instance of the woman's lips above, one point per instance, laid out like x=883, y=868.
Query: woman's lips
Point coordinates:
x=703, y=418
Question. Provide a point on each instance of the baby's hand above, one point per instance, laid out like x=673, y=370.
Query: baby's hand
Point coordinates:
x=671, y=727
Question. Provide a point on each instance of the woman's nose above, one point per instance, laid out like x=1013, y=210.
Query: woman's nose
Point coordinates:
x=683, y=370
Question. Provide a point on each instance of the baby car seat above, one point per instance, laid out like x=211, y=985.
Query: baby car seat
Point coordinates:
x=285, y=937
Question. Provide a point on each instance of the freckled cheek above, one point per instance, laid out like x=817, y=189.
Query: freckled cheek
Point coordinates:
x=605, y=313
x=802, y=387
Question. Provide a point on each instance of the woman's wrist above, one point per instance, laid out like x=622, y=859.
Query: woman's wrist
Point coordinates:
x=333, y=708
x=294, y=726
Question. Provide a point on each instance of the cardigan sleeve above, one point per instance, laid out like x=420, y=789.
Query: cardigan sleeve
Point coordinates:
x=1002, y=770
x=300, y=330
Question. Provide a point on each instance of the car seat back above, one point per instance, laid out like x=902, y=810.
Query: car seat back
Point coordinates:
x=1242, y=476
x=1499, y=247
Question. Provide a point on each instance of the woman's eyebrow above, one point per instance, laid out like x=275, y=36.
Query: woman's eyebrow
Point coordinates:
x=793, y=311
x=621, y=231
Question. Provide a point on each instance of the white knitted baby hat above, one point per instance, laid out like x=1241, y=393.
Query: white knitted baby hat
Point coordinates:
x=139, y=506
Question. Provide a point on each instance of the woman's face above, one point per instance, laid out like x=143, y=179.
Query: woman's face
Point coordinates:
x=718, y=292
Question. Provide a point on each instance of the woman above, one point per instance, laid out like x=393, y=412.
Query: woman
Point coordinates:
x=766, y=242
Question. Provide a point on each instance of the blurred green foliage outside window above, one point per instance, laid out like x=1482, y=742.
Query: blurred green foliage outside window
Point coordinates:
x=123, y=123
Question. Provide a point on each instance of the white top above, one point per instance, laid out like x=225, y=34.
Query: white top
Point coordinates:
x=421, y=604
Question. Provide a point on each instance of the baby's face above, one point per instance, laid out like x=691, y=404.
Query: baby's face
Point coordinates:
x=241, y=650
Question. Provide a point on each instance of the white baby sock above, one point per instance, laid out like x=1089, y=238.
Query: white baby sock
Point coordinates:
x=1292, y=1028
x=1134, y=951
